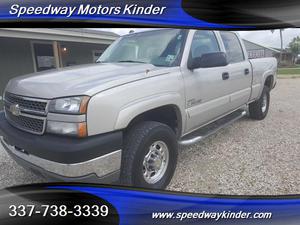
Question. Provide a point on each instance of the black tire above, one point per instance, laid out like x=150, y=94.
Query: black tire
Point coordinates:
x=256, y=108
x=137, y=142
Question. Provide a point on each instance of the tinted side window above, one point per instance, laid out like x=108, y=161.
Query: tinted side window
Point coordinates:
x=232, y=46
x=204, y=42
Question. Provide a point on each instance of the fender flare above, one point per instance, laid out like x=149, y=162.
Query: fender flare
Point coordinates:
x=139, y=106
x=267, y=74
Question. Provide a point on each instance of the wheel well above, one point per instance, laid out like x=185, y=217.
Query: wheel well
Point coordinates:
x=269, y=81
x=169, y=115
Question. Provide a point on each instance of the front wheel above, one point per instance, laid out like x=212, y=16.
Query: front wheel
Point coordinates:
x=258, y=110
x=149, y=156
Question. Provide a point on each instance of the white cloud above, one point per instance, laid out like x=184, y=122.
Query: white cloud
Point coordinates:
x=267, y=38
x=264, y=37
x=123, y=31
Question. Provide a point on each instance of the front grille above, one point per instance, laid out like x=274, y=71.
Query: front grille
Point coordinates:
x=30, y=124
x=31, y=116
x=26, y=103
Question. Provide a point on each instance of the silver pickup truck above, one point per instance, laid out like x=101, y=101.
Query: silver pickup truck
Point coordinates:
x=123, y=118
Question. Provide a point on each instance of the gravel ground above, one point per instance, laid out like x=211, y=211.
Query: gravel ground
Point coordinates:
x=248, y=157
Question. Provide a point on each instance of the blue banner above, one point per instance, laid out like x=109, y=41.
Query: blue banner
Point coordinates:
x=168, y=12
x=182, y=13
x=99, y=204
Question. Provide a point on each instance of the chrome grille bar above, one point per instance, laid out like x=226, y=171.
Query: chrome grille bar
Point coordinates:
x=31, y=116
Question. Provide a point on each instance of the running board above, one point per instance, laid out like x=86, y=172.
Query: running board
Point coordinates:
x=206, y=131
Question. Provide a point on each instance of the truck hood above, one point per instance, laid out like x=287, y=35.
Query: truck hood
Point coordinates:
x=80, y=80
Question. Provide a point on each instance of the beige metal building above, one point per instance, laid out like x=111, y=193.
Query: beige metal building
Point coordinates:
x=259, y=51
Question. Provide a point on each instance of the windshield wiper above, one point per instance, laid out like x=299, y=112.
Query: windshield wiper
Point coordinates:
x=130, y=61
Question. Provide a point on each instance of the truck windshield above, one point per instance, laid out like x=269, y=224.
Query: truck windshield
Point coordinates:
x=160, y=47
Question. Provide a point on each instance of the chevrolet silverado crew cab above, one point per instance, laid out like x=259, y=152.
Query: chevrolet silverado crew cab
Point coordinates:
x=123, y=118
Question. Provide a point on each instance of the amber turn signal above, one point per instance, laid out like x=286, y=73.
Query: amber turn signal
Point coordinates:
x=82, y=130
x=84, y=104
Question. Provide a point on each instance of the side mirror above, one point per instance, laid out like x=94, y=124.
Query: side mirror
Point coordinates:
x=214, y=59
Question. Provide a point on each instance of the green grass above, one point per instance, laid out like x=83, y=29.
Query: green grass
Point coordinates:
x=289, y=71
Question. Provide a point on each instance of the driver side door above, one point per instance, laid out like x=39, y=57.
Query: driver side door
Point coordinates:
x=207, y=92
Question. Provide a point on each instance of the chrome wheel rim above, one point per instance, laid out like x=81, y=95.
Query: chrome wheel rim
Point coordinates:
x=264, y=103
x=155, y=162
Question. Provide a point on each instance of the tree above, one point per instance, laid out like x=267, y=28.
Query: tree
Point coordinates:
x=294, y=45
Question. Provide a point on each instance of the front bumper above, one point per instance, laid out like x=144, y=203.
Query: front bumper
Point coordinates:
x=62, y=158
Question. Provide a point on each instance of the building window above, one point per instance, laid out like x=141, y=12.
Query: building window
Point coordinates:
x=258, y=53
x=96, y=54
x=43, y=56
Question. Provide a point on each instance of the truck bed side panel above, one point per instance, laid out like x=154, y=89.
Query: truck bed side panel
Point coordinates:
x=262, y=68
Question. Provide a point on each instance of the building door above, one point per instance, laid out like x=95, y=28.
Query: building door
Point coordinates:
x=44, y=57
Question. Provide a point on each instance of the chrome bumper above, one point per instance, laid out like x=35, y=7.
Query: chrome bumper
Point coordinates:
x=100, y=166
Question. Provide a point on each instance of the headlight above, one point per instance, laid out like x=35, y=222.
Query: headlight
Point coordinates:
x=69, y=129
x=71, y=105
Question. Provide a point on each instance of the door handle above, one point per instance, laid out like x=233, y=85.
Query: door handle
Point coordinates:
x=225, y=76
x=247, y=71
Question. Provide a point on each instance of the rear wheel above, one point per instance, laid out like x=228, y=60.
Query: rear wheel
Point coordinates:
x=149, y=155
x=259, y=109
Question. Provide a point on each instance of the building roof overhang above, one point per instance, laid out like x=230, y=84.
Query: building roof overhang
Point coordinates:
x=68, y=35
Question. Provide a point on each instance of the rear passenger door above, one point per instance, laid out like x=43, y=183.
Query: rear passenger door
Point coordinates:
x=239, y=69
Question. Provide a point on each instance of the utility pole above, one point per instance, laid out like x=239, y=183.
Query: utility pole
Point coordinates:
x=281, y=46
